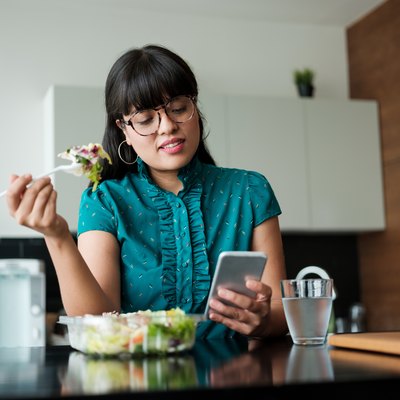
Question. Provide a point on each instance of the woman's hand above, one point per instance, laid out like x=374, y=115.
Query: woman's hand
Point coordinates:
x=35, y=207
x=250, y=317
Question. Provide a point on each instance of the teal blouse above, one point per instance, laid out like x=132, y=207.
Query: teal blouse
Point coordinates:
x=170, y=243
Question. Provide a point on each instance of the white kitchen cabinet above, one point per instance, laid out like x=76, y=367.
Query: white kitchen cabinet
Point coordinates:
x=267, y=135
x=344, y=165
x=322, y=158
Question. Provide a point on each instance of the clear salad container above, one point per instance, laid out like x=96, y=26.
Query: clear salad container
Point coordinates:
x=139, y=333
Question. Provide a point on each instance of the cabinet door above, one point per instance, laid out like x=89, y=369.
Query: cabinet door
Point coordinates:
x=344, y=165
x=267, y=135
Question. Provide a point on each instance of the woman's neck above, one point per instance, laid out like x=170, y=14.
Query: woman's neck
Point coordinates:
x=167, y=180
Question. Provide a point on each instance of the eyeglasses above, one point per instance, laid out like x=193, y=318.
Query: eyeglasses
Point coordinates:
x=146, y=122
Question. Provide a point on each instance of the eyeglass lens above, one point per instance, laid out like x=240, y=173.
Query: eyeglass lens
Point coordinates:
x=179, y=109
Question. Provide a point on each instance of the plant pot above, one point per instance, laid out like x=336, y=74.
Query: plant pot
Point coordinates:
x=305, y=90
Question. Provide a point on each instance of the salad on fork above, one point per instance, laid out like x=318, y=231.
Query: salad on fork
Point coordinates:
x=85, y=161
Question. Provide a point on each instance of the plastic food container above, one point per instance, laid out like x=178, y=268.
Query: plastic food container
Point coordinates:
x=140, y=333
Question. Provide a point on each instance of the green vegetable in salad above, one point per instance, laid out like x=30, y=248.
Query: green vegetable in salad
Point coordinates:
x=89, y=159
x=142, y=332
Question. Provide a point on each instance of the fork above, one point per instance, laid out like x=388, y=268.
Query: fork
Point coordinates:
x=70, y=168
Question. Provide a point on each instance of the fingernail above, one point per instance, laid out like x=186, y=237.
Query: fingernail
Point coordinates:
x=222, y=292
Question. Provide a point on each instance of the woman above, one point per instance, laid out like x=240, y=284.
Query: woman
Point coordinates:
x=150, y=234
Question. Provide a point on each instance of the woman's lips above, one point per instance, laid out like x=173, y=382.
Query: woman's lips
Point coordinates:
x=172, y=146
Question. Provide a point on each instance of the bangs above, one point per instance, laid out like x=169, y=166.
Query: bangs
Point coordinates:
x=154, y=80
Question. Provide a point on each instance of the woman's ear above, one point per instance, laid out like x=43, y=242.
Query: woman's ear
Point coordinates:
x=120, y=124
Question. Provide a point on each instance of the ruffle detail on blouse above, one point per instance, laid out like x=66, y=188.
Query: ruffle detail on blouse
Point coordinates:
x=168, y=245
x=167, y=236
x=201, y=272
x=191, y=195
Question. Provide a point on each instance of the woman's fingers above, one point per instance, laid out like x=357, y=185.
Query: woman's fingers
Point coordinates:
x=28, y=205
x=237, y=319
x=262, y=295
x=16, y=190
x=249, y=314
x=41, y=204
x=34, y=205
x=13, y=177
x=50, y=211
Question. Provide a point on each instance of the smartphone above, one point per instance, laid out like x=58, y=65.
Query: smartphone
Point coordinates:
x=233, y=269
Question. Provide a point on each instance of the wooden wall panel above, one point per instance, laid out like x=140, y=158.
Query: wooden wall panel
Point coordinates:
x=374, y=73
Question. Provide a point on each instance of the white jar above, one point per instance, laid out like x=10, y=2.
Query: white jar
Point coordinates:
x=22, y=303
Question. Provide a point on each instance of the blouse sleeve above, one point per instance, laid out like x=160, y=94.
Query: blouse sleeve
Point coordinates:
x=95, y=214
x=263, y=200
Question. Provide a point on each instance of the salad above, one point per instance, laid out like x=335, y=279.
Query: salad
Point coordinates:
x=138, y=333
x=161, y=331
x=89, y=159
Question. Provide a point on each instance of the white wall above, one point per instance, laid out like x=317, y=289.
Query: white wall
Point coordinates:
x=75, y=42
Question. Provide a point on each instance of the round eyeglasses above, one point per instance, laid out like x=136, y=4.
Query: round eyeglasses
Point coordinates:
x=146, y=122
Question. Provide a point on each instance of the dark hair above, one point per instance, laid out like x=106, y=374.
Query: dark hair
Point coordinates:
x=144, y=78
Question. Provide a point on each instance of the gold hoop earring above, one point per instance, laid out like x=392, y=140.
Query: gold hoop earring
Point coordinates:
x=120, y=157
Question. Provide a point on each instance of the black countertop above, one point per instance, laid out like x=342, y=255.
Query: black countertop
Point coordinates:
x=217, y=369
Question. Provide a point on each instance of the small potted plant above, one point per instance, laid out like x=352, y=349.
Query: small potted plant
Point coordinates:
x=304, y=80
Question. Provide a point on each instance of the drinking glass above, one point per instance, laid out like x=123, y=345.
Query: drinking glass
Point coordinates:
x=307, y=304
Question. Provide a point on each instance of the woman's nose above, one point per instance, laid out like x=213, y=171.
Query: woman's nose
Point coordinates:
x=167, y=125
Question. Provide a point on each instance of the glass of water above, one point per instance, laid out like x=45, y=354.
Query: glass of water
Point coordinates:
x=307, y=304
